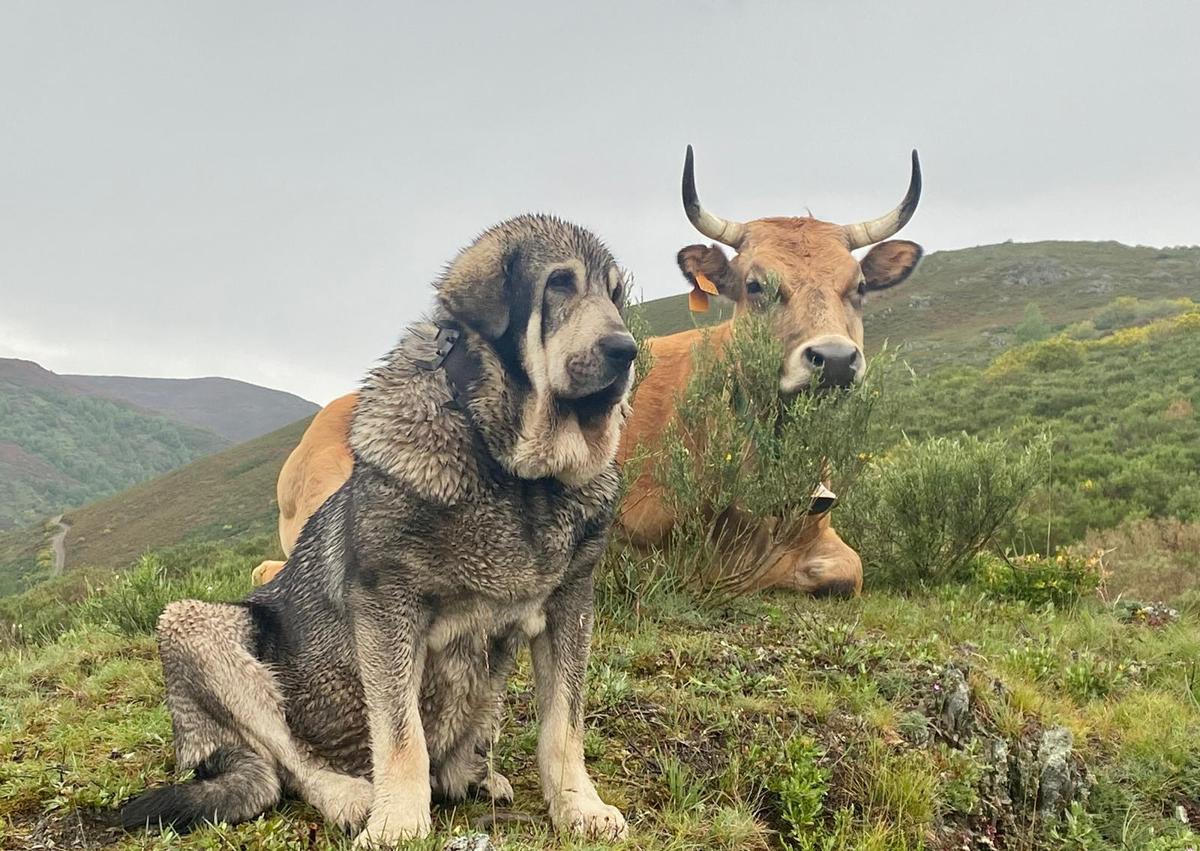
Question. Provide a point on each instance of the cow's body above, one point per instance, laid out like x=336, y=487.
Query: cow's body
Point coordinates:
x=317, y=467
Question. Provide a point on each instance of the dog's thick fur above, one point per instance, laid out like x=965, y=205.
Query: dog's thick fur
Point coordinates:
x=369, y=675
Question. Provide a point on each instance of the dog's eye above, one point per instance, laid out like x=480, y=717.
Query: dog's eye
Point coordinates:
x=618, y=295
x=862, y=288
x=561, y=280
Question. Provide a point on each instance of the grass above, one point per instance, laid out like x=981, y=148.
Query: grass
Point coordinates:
x=775, y=721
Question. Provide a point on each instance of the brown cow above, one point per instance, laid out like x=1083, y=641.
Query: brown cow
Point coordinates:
x=817, y=312
x=317, y=467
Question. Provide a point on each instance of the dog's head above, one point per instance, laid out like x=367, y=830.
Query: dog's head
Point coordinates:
x=548, y=296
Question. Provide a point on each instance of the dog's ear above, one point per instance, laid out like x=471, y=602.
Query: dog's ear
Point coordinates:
x=475, y=288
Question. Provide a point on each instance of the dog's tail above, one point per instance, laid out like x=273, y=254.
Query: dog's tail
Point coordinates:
x=231, y=785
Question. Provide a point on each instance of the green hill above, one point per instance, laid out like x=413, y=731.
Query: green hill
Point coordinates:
x=1122, y=412
x=963, y=306
x=223, y=496
x=61, y=447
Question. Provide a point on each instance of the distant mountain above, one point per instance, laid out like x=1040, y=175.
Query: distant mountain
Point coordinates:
x=62, y=446
x=68, y=440
x=233, y=409
x=225, y=495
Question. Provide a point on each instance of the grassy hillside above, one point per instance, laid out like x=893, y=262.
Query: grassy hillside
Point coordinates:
x=962, y=307
x=235, y=410
x=1121, y=409
x=223, y=496
x=60, y=447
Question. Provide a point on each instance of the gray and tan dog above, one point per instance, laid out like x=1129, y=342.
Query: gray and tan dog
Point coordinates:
x=369, y=675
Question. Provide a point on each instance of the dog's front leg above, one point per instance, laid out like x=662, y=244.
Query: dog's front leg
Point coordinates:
x=391, y=658
x=560, y=654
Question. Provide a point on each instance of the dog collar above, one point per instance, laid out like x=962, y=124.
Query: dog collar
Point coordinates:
x=442, y=344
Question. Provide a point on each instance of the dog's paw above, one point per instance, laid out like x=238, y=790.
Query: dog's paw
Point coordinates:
x=385, y=828
x=587, y=816
x=495, y=787
x=345, y=800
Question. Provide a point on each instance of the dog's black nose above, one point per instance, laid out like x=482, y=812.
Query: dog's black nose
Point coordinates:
x=619, y=349
x=839, y=363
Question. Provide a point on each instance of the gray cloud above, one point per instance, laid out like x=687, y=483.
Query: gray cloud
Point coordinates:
x=265, y=190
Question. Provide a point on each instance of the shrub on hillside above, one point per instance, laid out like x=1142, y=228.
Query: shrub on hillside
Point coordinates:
x=927, y=509
x=1128, y=310
x=1149, y=559
x=1056, y=353
x=735, y=442
x=1060, y=580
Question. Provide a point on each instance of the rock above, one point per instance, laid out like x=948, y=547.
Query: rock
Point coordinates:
x=470, y=842
x=954, y=702
x=1057, y=779
x=995, y=780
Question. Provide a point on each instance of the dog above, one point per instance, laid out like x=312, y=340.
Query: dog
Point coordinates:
x=369, y=676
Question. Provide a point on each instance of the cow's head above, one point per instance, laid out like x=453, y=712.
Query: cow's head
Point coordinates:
x=802, y=271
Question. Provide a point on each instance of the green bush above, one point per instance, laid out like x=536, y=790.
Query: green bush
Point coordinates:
x=925, y=510
x=1060, y=580
x=796, y=775
x=737, y=446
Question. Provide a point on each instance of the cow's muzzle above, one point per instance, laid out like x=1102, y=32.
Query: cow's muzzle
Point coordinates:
x=836, y=362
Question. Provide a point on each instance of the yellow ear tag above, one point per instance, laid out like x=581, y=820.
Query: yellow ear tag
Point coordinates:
x=705, y=284
x=698, y=297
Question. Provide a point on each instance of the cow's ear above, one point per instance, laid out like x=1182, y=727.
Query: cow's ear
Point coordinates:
x=889, y=263
x=707, y=270
x=475, y=287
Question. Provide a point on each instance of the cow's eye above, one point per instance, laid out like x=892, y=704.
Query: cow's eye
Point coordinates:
x=862, y=288
x=561, y=280
x=754, y=288
x=618, y=295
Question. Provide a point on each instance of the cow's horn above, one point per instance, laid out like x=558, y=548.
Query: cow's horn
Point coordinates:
x=862, y=234
x=714, y=227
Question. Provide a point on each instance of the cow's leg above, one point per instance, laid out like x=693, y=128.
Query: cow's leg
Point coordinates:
x=266, y=571
x=828, y=567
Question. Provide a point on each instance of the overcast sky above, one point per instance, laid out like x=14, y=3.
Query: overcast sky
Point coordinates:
x=265, y=190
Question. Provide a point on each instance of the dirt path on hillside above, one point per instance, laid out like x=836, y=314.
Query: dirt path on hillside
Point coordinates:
x=59, y=543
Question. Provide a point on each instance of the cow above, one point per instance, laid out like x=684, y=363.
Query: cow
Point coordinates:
x=815, y=306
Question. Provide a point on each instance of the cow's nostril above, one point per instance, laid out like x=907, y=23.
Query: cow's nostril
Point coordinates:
x=619, y=349
x=839, y=363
